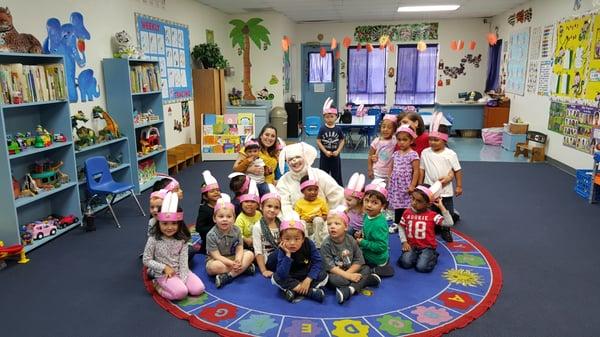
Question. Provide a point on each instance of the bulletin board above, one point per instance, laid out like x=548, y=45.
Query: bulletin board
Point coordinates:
x=517, y=61
x=223, y=136
x=579, y=124
x=168, y=43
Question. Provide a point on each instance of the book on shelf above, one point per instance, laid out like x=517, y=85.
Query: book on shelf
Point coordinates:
x=31, y=83
x=144, y=78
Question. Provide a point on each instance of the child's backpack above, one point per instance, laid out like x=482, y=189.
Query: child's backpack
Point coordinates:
x=346, y=117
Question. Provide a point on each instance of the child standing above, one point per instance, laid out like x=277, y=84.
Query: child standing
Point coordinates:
x=382, y=148
x=227, y=257
x=373, y=240
x=441, y=163
x=210, y=194
x=343, y=259
x=353, y=195
x=249, y=215
x=298, y=263
x=331, y=142
x=414, y=120
x=417, y=229
x=405, y=172
x=265, y=232
x=312, y=209
x=166, y=254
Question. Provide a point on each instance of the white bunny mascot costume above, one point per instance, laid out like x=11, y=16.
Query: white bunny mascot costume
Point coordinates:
x=166, y=254
x=300, y=157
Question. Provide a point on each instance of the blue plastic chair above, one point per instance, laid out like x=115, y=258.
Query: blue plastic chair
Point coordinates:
x=312, y=126
x=367, y=133
x=101, y=183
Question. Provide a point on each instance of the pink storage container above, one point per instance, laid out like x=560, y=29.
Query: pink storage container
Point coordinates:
x=492, y=136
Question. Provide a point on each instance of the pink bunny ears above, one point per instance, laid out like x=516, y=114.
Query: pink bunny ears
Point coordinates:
x=327, y=109
x=355, y=186
x=224, y=202
x=407, y=129
x=377, y=185
x=291, y=221
x=272, y=194
x=168, y=211
x=436, y=119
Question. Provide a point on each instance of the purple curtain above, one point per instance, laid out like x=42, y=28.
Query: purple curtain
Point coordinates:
x=493, y=72
x=366, y=76
x=320, y=68
x=416, y=71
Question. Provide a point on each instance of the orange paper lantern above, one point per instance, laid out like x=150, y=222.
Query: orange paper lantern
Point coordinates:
x=453, y=45
x=460, y=44
x=492, y=38
x=369, y=47
x=322, y=52
x=346, y=42
x=333, y=43
x=472, y=44
x=284, y=44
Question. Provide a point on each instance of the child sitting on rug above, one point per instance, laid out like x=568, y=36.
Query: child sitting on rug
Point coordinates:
x=167, y=184
x=343, y=260
x=227, y=257
x=238, y=184
x=210, y=194
x=373, y=239
x=417, y=229
x=353, y=195
x=250, y=214
x=166, y=253
x=299, y=269
x=265, y=232
x=312, y=209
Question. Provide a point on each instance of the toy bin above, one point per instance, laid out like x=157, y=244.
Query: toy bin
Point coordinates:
x=583, y=184
x=492, y=136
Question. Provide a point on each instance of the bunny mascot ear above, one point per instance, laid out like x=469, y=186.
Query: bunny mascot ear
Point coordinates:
x=168, y=211
x=436, y=120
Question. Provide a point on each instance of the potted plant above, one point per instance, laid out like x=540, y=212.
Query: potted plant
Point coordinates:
x=208, y=55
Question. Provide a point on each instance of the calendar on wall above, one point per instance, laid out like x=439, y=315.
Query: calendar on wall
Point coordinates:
x=168, y=43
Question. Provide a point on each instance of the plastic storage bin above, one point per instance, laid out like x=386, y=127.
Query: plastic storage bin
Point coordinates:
x=583, y=184
x=492, y=136
x=510, y=140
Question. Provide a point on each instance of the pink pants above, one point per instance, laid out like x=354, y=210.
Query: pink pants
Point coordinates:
x=173, y=288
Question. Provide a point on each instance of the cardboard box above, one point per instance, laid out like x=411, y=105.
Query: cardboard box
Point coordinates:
x=518, y=128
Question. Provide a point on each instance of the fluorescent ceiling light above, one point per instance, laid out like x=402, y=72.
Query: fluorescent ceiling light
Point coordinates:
x=432, y=8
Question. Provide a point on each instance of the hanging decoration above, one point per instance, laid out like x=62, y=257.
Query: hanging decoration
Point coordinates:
x=358, y=47
x=346, y=42
x=285, y=43
x=401, y=32
x=337, y=54
x=383, y=40
x=492, y=38
x=333, y=43
x=453, y=45
x=521, y=16
x=472, y=44
x=460, y=44
x=391, y=48
x=322, y=52
x=369, y=47
x=453, y=72
x=421, y=46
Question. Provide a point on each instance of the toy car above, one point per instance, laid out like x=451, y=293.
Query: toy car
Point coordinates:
x=40, y=229
x=59, y=137
x=67, y=220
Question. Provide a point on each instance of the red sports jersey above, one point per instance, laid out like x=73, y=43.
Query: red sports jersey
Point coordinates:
x=420, y=227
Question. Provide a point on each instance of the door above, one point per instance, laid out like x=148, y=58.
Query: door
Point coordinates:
x=319, y=80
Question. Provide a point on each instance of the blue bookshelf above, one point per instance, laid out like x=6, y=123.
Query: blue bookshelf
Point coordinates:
x=53, y=115
x=121, y=101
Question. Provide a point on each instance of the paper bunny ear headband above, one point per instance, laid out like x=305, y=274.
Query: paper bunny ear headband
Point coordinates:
x=252, y=194
x=251, y=142
x=168, y=211
x=377, y=185
x=210, y=181
x=355, y=186
x=173, y=184
x=407, y=129
x=341, y=212
x=436, y=119
x=246, y=183
x=272, y=194
x=327, y=109
x=292, y=221
x=224, y=202
x=432, y=192
x=311, y=181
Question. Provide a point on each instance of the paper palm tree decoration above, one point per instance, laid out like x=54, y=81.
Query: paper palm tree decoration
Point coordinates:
x=240, y=35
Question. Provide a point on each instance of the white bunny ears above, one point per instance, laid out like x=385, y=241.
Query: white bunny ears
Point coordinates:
x=327, y=109
x=302, y=149
x=210, y=181
x=224, y=202
x=252, y=194
x=168, y=211
x=355, y=186
x=436, y=120
x=378, y=185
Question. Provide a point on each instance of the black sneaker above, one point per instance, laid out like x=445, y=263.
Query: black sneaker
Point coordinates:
x=373, y=280
x=250, y=270
x=342, y=294
x=289, y=295
x=316, y=294
x=222, y=279
x=447, y=235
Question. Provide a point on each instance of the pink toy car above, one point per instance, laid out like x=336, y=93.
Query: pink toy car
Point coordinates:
x=40, y=229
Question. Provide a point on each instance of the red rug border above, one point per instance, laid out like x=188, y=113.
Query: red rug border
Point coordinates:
x=483, y=306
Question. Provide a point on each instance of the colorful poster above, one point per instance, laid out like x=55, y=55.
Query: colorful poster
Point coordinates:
x=534, y=44
x=169, y=43
x=571, y=57
x=532, y=76
x=547, y=42
x=593, y=73
x=556, y=118
x=577, y=123
x=544, y=73
x=517, y=61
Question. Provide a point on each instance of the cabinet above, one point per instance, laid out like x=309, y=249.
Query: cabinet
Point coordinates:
x=496, y=116
x=121, y=103
x=294, y=111
x=63, y=199
x=209, y=95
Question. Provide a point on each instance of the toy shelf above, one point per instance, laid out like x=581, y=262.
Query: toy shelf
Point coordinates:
x=59, y=232
x=96, y=146
x=141, y=125
x=118, y=198
x=148, y=184
x=28, y=152
x=121, y=101
x=55, y=117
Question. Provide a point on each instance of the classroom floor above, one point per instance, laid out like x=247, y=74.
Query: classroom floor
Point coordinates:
x=467, y=149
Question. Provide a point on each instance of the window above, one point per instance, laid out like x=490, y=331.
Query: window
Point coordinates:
x=366, y=76
x=416, y=71
x=321, y=68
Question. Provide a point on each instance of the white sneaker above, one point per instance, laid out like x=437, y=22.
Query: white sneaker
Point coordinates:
x=393, y=228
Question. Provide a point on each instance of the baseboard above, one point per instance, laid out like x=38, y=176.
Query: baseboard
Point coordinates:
x=561, y=166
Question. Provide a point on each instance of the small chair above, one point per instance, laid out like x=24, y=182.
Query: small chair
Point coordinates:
x=313, y=124
x=536, y=143
x=101, y=183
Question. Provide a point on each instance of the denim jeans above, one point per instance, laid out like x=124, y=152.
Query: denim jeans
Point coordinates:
x=422, y=259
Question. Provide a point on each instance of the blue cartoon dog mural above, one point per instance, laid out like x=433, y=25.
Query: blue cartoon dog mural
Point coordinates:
x=68, y=40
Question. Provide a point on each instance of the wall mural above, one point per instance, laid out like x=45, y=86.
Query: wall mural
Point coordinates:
x=68, y=39
x=401, y=33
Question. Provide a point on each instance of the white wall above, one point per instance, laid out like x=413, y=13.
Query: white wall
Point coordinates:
x=106, y=17
x=532, y=108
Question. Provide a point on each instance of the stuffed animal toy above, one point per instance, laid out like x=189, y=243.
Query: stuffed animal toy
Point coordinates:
x=125, y=47
x=13, y=41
